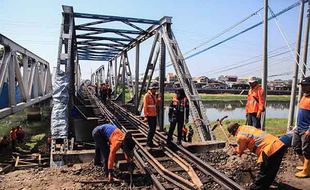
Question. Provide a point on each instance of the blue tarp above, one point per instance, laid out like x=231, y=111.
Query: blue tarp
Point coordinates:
x=4, y=96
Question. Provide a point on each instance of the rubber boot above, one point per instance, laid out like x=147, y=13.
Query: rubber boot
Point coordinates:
x=306, y=171
x=302, y=159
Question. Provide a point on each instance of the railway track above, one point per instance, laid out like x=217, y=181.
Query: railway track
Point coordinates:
x=169, y=167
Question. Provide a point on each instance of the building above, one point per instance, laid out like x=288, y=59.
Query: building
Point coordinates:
x=171, y=78
x=228, y=78
x=203, y=80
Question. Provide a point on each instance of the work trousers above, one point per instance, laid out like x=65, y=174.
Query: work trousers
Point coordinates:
x=300, y=145
x=180, y=123
x=101, y=152
x=252, y=120
x=268, y=170
x=151, y=120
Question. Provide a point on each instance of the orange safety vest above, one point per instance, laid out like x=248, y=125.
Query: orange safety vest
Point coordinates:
x=257, y=141
x=115, y=143
x=256, y=101
x=150, y=102
x=13, y=134
x=175, y=102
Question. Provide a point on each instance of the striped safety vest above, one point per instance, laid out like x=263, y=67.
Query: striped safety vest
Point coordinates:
x=257, y=141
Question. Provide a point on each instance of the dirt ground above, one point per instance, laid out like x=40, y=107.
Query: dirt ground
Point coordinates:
x=241, y=169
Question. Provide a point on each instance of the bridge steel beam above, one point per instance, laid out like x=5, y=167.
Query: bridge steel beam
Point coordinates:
x=24, y=72
x=92, y=39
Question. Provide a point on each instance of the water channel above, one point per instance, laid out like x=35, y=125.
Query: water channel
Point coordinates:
x=215, y=110
x=236, y=110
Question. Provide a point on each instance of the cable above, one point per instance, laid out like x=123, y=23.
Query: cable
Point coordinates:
x=245, y=61
x=286, y=41
x=224, y=31
x=250, y=28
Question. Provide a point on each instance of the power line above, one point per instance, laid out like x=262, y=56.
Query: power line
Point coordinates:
x=243, y=31
x=224, y=31
x=246, y=61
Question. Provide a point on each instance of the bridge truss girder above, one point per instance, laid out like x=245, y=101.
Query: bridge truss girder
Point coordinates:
x=88, y=41
x=20, y=67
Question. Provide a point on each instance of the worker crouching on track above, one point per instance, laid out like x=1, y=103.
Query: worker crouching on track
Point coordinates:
x=255, y=104
x=301, y=136
x=109, y=139
x=269, y=149
x=178, y=114
x=151, y=101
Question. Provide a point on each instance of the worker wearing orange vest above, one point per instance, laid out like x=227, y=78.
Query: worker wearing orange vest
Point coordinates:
x=269, y=149
x=178, y=114
x=109, y=139
x=13, y=138
x=255, y=104
x=150, y=102
x=301, y=136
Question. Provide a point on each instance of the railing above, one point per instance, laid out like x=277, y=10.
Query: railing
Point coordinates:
x=25, y=78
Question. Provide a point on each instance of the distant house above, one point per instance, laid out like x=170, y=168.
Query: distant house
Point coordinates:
x=172, y=78
x=279, y=84
x=229, y=80
x=201, y=80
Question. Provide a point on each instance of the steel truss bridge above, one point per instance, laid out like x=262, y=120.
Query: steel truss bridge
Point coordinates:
x=86, y=37
x=25, y=78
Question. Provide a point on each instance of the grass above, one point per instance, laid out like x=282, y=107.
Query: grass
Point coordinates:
x=231, y=97
x=274, y=126
x=35, y=131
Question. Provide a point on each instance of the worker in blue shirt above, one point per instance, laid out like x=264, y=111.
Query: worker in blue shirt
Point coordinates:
x=301, y=136
x=109, y=139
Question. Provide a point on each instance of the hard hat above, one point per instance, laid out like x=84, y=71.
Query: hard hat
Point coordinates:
x=252, y=79
x=232, y=128
x=305, y=81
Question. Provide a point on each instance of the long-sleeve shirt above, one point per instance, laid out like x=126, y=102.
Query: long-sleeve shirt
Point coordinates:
x=256, y=101
x=257, y=141
x=150, y=102
x=114, y=136
x=303, y=118
x=178, y=108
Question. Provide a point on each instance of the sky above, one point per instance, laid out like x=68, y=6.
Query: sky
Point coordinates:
x=35, y=24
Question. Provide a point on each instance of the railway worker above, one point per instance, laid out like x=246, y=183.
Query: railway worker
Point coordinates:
x=13, y=138
x=151, y=101
x=20, y=134
x=255, y=104
x=103, y=93
x=109, y=139
x=178, y=114
x=184, y=132
x=190, y=133
x=4, y=143
x=109, y=92
x=301, y=136
x=269, y=149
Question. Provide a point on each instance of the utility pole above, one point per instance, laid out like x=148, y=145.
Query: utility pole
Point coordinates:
x=290, y=121
x=162, y=83
x=305, y=52
x=123, y=63
x=137, y=78
x=265, y=68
